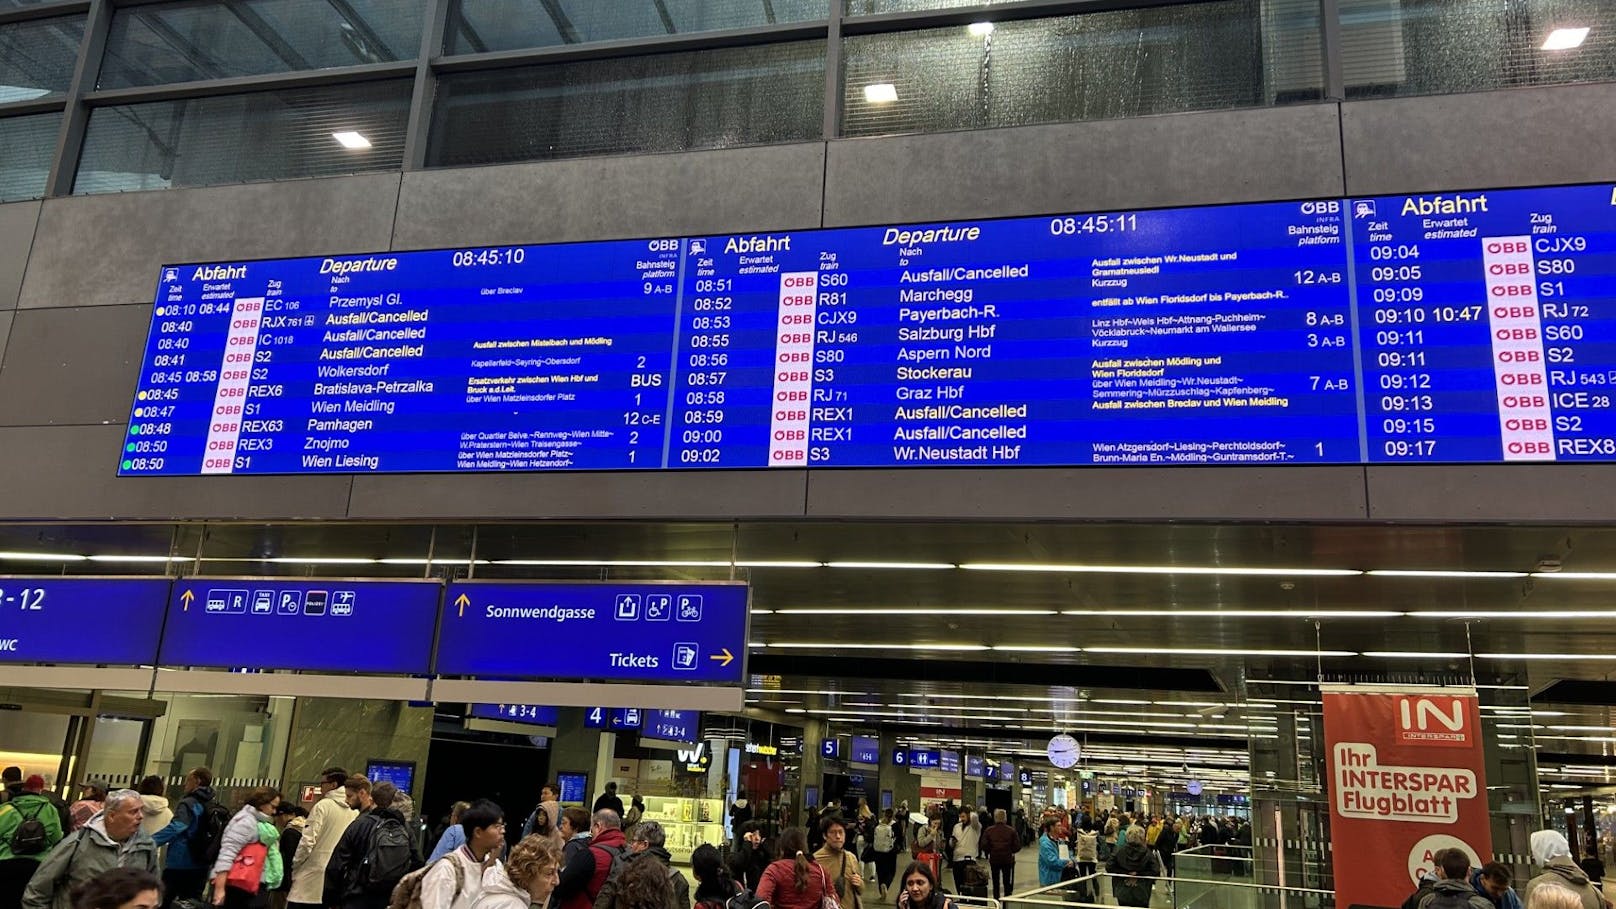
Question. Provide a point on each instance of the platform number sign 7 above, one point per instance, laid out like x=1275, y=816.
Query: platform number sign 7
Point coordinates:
x=595, y=718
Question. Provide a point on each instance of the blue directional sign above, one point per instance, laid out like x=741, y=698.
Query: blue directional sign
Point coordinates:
x=831, y=748
x=319, y=625
x=925, y=758
x=672, y=725
x=975, y=766
x=948, y=761
x=595, y=718
x=81, y=620
x=866, y=750
x=517, y=713
x=573, y=631
x=624, y=718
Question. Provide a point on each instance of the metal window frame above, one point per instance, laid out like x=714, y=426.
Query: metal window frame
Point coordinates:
x=432, y=61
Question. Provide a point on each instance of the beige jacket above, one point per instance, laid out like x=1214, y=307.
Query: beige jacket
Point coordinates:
x=329, y=818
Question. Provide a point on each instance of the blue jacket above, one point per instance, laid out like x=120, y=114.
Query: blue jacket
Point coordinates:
x=454, y=836
x=177, y=835
x=1050, y=863
x=1511, y=900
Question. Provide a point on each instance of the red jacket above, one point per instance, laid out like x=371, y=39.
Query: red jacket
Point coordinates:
x=615, y=840
x=779, y=886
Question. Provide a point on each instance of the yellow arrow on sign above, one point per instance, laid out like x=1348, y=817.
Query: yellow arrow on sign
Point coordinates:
x=724, y=659
x=186, y=598
x=462, y=601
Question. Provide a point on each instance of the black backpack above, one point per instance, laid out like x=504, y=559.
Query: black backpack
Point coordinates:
x=746, y=899
x=388, y=856
x=31, y=837
x=1447, y=899
x=207, y=833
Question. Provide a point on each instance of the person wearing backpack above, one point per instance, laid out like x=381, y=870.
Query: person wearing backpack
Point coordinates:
x=239, y=835
x=29, y=828
x=715, y=888
x=456, y=880
x=648, y=845
x=373, y=855
x=111, y=839
x=1453, y=891
x=190, y=836
x=586, y=871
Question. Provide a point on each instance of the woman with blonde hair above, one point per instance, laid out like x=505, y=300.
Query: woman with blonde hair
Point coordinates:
x=527, y=877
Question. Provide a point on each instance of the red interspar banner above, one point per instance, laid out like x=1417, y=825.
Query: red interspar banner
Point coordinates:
x=1407, y=780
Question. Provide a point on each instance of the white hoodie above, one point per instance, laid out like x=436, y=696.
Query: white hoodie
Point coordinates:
x=157, y=813
x=498, y=892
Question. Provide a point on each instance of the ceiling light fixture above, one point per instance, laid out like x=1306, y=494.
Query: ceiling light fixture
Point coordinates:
x=319, y=560
x=1219, y=651
x=840, y=645
x=881, y=93
x=854, y=610
x=1243, y=613
x=1565, y=38
x=351, y=139
x=1442, y=573
x=1036, y=648
x=137, y=558
x=1161, y=569
x=984, y=29
x=1577, y=575
x=1414, y=655
x=1517, y=614
x=908, y=566
x=43, y=557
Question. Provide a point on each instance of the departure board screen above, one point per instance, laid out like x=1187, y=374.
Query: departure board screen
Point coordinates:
x=1461, y=327
x=1487, y=329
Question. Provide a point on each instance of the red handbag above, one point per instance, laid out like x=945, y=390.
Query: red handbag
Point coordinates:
x=248, y=868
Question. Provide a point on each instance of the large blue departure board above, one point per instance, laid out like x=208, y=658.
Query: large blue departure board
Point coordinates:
x=1459, y=327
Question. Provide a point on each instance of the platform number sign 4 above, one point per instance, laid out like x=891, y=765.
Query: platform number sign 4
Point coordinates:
x=595, y=718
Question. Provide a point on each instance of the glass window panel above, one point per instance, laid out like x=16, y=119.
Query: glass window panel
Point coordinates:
x=239, y=138
x=1123, y=63
x=26, y=147
x=476, y=26
x=665, y=102
x=37, y=57
x=872, y=7
x=210, y=39
x=1423, y=47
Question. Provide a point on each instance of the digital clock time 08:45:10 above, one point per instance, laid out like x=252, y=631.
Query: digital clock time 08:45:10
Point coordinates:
x=508, y=255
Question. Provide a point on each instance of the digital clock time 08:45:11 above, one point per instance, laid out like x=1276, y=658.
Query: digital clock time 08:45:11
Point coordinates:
x=509, y=255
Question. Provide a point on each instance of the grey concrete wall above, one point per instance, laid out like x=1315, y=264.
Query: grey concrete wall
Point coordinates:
x=81, y=271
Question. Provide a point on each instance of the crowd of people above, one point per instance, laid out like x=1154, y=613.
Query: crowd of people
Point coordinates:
x=356, y=849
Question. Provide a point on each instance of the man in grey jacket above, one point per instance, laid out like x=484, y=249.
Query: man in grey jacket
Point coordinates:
x=111, y=839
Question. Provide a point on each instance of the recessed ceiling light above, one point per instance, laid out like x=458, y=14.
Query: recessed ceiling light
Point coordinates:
x=842, y=645
x=1161, y=569
x=1414, y=655
x=881, y=93
x=1421, y=573
x=1565, y=38
x=983, y=29
x=917, y=610
x=1243, y=613
x=1218, y=651
x=912, y=566
x=350, y=139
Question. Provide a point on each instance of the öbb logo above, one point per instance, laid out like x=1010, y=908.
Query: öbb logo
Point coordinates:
x=1432, y=721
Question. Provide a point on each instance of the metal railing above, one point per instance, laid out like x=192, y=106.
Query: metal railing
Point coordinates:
x=1097, y=891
